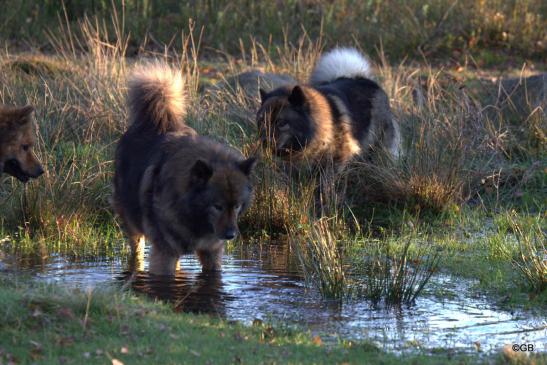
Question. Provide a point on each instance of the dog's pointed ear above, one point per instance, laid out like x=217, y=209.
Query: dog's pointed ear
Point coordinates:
x=26, y=110
x=201, y=172
x=263, y=95
x=297, y=97
x=247, y=166
x=23, y=113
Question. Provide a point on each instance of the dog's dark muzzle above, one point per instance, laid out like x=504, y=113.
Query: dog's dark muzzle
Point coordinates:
x=229, y=234
x=13, y=167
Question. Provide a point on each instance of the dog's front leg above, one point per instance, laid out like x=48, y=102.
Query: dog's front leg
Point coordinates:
x=162, y=262
x=211, y=259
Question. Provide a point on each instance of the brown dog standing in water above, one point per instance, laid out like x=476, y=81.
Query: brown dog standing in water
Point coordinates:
x=17, y=139
x=182, y=192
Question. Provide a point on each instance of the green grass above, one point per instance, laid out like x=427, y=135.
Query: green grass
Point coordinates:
x=51, y=325
x=492, y=32
x=384, y=270
x=470, y=188
x=462, y=167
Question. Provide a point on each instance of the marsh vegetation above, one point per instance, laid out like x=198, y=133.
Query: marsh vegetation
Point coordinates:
x=467, y=199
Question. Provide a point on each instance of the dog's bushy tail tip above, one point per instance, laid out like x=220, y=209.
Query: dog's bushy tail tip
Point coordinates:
x=340, y=62
x=156, y=96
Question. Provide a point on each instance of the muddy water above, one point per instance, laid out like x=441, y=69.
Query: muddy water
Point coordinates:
x=264, y=283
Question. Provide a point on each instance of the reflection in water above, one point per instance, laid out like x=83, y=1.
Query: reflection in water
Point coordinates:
x=202, y=293
x=263, y=282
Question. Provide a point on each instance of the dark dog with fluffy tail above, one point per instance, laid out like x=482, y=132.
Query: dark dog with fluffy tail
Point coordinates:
x=181, y=191
x=340, y=114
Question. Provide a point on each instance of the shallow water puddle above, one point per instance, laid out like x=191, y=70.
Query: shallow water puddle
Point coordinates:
x=265, y=284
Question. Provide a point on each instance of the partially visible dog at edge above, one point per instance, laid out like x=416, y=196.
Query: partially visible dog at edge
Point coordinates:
x=17, y=140
x=339, y=115
x=180, y=191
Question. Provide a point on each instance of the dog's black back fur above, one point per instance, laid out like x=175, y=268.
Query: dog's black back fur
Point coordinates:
x=357, y=95
x=134, y=146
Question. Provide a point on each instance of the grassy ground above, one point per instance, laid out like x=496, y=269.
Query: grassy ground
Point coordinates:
x=470, y=191
x=487, y=30
x=49, y=325
x=456, y=188
x=465, y=169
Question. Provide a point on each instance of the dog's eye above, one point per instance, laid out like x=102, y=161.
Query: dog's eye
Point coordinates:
x=217, y=207
x=25, y=147
x=283, y=126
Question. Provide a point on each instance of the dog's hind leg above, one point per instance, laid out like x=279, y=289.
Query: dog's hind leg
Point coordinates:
x=136, y=261
x=135, y=237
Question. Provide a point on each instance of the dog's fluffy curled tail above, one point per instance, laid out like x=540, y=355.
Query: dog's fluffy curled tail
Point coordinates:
x=156, y=97
x=340, y=62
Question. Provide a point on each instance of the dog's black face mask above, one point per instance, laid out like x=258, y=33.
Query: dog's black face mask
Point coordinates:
x=216, y=198
x=18, y=140
x=13, y=168
x=284, y=122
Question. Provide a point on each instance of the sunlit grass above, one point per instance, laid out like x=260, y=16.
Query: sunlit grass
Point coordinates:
x=322, y=260
x=458, y=157
x=50, y=324
x=487, y=30
x=387, y=271
x=531, y=258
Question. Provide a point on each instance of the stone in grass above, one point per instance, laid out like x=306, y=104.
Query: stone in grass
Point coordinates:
x=251, y=81
x=37, y=65
x=523, y=94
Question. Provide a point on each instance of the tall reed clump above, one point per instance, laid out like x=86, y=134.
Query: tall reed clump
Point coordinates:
x=445, y=147
x=275, y=208
x=395, y=276
x=531, y=259
x=380, y=270
x=321, y=260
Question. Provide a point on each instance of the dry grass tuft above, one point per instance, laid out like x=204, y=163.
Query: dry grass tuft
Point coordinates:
x=322, y=261
x=396, y=278
x=383, y=271
x=450, y=143
x=531, y=260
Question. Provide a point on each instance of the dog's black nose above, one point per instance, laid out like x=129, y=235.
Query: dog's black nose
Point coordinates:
x=230, y=234
x=39, y=172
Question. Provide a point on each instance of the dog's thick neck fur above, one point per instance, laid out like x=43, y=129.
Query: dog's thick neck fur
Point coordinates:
x=321, y=142
x=328, y=142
